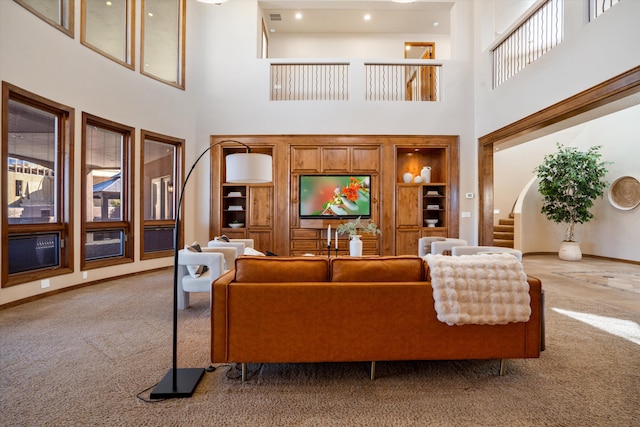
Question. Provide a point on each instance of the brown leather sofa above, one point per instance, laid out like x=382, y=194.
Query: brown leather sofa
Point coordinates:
x=311, y=309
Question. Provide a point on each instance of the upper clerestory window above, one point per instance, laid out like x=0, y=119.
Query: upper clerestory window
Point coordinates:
x=58, y=13
x=108, y=27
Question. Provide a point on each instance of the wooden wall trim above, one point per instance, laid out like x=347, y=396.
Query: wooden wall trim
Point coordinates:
x=618, y=87
x=608, y=91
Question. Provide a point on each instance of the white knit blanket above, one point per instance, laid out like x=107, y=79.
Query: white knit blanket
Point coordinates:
x=483, y=289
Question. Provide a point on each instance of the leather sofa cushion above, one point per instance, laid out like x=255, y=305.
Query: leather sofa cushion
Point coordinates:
x=377, y=269
x=258, y=269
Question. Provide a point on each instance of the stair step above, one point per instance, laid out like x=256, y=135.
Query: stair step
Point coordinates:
x=503, y=243
x=502, y=235
x=504, y=228
x=506, y=221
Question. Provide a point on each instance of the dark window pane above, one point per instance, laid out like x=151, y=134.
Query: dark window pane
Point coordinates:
x=104, y=244
x=33, y=252
x=158, y=239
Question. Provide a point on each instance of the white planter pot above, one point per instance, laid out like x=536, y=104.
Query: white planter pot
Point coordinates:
x=355, y=246
x=570, y=251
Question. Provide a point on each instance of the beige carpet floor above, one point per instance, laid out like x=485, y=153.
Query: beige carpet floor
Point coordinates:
x=80, y=359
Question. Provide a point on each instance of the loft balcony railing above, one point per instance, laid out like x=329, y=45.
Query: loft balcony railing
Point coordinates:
x=407, y=81
x=598, y=7
x=310, y=82
x=402, y=82
x=538, y=33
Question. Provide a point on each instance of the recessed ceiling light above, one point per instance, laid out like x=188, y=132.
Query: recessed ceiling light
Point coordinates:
x=298, y=15
x=367, y=17
x=109, y=3
x=436, y=23
x=403, y=1
x=150, y=13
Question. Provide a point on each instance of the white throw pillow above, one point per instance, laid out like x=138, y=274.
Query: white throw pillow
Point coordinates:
x=195, y=271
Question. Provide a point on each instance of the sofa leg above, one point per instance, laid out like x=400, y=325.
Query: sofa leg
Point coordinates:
x=503, y=366
x=373, y=370
x=244, y=372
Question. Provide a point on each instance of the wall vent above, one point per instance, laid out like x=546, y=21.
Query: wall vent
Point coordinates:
x=275, y=17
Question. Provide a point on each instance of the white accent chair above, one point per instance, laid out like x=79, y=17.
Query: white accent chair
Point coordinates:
x=424, y=244
x=472, y=250
x=239, y=244
x=187, y=283
x=439, y=247
x=230, y=254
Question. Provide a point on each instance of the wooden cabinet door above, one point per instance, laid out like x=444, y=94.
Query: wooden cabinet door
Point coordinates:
x=260, y=206
x=262, y=239
x=407, y=241
x=408, y=206
x=305, y=159
x=365, y=159
x=335, y=159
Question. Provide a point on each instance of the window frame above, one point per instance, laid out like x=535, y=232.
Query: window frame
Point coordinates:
x=126, y=223
x=59, y=26
x=130, y=53
x=64, y=186
x=182, y=22
x=178, y=144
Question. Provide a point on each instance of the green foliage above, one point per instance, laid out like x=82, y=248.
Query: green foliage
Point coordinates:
x=570, y=180
x=358, y=227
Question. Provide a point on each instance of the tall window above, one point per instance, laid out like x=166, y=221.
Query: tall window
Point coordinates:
x=107, y=229
x=163, y=40
x=37, y=151
x=58, y=13
x=160, y=179
x=108, y=27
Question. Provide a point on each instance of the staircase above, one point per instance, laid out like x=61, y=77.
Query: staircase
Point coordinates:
x=503, y=233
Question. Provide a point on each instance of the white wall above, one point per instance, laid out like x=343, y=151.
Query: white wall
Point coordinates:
x=590, y=54
x=380, y=46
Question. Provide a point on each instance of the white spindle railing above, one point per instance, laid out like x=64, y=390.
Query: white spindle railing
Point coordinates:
x=310, y=82
x=405, y=81
x=539, y=33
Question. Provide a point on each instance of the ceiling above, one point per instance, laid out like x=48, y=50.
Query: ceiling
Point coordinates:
x=336, y=17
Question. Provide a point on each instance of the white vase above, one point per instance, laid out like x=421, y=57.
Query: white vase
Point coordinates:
x=407, y=177
x=425, y=173
x=570, y=251
x=355, y=246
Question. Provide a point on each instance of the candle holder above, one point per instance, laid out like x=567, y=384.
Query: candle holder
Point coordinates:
x=336, y=249
x=328, y=251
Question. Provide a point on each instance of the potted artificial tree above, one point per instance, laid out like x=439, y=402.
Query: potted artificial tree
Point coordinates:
x=570, y=180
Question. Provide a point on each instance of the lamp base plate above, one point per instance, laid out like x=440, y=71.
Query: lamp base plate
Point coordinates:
x=187, y=380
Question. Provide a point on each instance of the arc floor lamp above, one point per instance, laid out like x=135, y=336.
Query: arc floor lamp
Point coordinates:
x=241, y=168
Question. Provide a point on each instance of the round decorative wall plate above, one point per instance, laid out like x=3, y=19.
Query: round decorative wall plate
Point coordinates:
x=624, y=193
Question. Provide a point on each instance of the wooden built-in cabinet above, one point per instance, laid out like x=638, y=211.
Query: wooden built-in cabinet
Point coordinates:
x=270, y=212
x=309, y=236
x=426, y=208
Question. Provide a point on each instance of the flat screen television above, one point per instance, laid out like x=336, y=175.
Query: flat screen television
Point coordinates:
x=337, y=196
